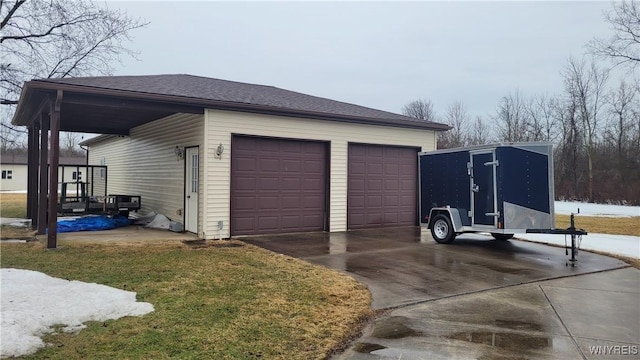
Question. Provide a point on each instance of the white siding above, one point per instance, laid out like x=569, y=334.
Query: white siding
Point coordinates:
x=144, y=163
x=18, y=181
x=220, y=125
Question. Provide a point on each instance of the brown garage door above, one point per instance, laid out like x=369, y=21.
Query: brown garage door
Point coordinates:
x=382, y=189
x=277, y=186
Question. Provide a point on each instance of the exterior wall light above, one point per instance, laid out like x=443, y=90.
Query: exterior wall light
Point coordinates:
x=179, y=153
x=219, y=151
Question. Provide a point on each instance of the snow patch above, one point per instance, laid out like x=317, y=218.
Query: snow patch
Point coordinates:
x=589, y=209
x=623, y=245
x=32, y=302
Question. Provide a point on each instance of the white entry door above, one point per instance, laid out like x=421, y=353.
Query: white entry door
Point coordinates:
x=191, y=190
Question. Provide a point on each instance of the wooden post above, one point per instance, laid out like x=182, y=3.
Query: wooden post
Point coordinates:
x=54, y=157
x=43, y=172
x=32, y=177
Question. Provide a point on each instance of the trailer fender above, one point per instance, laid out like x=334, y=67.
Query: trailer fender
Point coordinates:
x=452, y=213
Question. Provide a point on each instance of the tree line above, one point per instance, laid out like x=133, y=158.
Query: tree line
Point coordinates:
x=594, y=122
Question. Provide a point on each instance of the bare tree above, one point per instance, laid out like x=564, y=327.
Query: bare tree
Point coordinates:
x=568, y=164
x=620, y=130
x=585, y=85
x=618, y=160
x=542, y=119
x=57, y=39
x=420, y=109
x=458, y=118
x=69, y=143
x=512, y=118
x=479, y=133
x=11, y=137
x=624, y=46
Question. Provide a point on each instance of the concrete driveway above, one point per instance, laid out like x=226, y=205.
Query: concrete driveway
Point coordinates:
x=478, y=298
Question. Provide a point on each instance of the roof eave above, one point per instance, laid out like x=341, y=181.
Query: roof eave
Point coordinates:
x=44, y=85
x=20, y=107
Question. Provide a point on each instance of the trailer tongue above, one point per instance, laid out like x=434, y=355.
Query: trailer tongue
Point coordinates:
x=502, y=189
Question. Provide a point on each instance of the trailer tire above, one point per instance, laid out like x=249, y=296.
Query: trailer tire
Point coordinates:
x=442, y=230
x=502, y=237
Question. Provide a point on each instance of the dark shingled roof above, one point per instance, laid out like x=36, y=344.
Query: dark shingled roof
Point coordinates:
x=209, y=89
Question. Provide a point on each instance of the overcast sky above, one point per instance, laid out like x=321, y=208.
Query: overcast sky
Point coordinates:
x=376, y=54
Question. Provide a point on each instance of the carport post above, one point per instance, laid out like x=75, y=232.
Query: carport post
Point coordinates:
x=42, y=173
x=54, y=155
x=32, y=179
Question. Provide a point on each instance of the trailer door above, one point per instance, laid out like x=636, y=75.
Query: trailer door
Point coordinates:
x=483, y=188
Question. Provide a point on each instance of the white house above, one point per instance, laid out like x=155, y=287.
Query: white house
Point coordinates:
x=229, y=158
x=14, y=171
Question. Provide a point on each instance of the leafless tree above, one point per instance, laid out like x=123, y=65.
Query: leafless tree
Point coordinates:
x=11, y=137
x=542, y=118
x=458, y=118
x=621, y=127
x=511, y=118
x=621, y=154
x=420, y=109
x=57, y=39
x=479, y=133
x=585, y=85
x=624, y=46
x=568, y=167
x=69, y=143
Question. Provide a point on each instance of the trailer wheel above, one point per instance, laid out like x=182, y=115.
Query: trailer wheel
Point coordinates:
x=499, y=236
x=442, y=230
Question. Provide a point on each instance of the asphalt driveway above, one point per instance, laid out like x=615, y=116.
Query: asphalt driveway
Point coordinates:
x=478, y=297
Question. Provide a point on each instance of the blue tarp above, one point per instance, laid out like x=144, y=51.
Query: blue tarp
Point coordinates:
x=92, y=223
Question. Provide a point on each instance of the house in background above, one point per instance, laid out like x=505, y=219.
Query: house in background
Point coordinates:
x=14, y=171
x=229, y=158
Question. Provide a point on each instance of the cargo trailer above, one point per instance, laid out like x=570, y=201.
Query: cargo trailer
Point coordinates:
x=501, y=189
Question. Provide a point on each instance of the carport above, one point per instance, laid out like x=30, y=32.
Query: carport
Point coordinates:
x=46, y=108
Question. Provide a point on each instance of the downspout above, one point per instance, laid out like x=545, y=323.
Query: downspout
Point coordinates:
x=86, y=169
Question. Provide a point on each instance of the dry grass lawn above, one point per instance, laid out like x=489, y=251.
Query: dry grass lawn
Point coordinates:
x=13, y=232
x=602, y=225
x=13, y=205
x=216, y=300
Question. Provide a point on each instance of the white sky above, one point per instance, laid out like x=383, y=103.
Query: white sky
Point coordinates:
x=377, y=54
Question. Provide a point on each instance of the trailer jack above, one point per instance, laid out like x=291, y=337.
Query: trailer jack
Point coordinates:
x=576, y=238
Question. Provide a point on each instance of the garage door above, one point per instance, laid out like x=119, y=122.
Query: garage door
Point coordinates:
x=277, y=186
x=382, y=187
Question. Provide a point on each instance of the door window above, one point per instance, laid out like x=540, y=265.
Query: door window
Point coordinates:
x=194, y=173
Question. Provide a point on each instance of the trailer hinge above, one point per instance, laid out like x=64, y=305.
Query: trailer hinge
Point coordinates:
x=496, y=214
x=489, y=163
x=469, y=213
x=469, y=167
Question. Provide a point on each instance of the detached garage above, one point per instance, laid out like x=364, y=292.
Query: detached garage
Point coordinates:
x=228, y=158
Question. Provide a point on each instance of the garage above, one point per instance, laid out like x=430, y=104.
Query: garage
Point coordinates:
x=277, y=185
x=382, y=186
